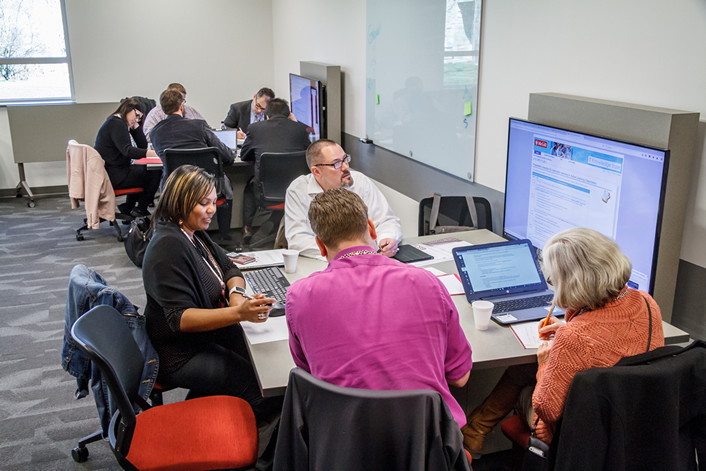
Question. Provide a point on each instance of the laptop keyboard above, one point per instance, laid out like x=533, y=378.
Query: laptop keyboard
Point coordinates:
x=269, y=281
x=523, y=303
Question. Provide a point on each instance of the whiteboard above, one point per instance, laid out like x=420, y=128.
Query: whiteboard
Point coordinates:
x=422, y=61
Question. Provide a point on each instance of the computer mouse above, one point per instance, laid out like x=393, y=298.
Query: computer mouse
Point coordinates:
x=277, y=310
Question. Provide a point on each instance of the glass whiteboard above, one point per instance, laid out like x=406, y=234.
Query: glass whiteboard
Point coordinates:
x=422, y=80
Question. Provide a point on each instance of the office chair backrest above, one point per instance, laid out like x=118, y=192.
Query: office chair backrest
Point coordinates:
x=277, y=171
x=105, y=337
x=208, y=158
x=453, y=211
x=330, y=427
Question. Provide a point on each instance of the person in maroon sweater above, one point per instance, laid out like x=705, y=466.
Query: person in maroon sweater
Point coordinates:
x=605, y=321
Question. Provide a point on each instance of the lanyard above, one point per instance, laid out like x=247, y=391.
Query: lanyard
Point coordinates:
x=210, y=263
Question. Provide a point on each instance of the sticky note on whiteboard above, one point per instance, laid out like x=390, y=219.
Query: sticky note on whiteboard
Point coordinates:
x=377, y=99
x=467, y=108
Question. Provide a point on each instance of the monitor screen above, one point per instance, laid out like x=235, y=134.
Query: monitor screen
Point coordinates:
x=306, y=97
x=558, y=179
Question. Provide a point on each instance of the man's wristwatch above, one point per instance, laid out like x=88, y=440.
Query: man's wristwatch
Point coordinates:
x=236, y=289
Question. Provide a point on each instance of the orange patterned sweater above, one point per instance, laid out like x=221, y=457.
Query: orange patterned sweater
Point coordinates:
x=597, y=338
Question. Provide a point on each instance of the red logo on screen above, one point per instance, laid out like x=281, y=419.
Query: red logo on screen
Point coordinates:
x=539, y=143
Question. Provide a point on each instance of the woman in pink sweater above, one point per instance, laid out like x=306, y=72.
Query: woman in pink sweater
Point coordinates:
x=605, y=321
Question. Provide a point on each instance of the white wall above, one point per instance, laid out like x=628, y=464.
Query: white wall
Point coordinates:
x=330, y=31
x=636, y=51
x=220, y=50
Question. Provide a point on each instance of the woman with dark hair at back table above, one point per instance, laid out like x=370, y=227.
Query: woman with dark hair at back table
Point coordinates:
x=195, y=298
x=118, y=142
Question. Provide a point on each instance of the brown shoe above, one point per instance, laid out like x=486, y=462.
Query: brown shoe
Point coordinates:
x=494, y=408
x=247, y=234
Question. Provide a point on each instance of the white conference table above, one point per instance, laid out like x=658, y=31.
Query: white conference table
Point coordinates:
x=495, y=347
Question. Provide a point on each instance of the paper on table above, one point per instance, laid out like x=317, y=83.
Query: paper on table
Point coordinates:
x=452, y=284
x=272, y=330
x=528, y=333
x=441, y=252
x=434, y=271
x=263, y=258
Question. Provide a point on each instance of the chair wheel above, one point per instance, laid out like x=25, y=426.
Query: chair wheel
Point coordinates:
x=31, y=204
x=79, y=454
x=79, y=237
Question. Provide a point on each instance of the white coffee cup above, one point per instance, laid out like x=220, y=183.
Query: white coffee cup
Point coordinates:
x=481, y=314
x=290, y=260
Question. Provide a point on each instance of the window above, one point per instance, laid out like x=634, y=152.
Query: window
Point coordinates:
x=34, y=55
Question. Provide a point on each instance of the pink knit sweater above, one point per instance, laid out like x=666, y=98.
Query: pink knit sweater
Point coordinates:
x=597, y=338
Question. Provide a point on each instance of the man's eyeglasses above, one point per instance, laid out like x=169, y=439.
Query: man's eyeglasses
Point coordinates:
x=259, y=108
x=337, y=164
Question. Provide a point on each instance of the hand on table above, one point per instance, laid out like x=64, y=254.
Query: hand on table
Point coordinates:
x=388, y=247
x=252, y=310
x=151, y=153
x=549, y=330
x=240, y=134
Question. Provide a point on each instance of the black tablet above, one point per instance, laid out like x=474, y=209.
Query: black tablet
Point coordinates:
x=409, y=254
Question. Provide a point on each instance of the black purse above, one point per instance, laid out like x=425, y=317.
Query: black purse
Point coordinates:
x=536, y=454
x=137, y=239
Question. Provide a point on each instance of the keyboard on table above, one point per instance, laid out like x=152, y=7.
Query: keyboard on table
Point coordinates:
x=269, y=281
x=524, y=303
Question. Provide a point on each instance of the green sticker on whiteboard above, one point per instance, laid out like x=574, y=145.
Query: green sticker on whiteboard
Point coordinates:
x=377, y=99
x=467, y=108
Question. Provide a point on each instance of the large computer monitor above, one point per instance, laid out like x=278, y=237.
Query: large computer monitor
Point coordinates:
x=308, y=99
x=558, y=179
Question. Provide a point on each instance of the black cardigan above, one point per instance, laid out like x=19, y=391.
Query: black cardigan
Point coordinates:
x=176, y=278
x=114, y=145
x=646, y=412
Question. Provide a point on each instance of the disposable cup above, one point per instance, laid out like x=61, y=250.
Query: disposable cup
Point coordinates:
x=481, y=314
x=290, y=260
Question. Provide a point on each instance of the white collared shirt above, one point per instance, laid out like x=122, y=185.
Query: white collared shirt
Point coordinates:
x=301, y=193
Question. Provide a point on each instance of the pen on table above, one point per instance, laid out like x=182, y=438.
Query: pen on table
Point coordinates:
x=546, y=321
x=382, y=247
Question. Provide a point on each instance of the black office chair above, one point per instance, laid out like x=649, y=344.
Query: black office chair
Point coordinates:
x=454, y=211
x=330, y=427
x=209, y=159
x=215, y=432
x=276, y=173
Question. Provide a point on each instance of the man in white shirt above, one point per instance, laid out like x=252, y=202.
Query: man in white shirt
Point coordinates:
x=329, y=169
x=156, y=114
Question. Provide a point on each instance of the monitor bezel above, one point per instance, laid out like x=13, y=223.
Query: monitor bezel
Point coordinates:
x=663, y=186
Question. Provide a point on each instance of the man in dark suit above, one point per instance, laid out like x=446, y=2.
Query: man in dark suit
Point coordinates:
x=243, y=113
x=278, y=133
x=178, y=132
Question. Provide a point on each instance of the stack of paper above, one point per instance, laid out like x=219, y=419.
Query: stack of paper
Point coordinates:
x=441, y=250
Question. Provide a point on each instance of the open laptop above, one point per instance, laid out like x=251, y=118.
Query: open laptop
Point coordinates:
x=228, y=137
x=508, y=275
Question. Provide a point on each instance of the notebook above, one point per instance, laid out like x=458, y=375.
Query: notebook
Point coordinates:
x=508, y=275
x=409, y=254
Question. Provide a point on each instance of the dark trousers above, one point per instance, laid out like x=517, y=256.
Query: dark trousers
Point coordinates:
x=223, y=369
x=140, y=176
x=251, y=201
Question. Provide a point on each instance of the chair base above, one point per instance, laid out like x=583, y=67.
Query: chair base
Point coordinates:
x=126, y=218
x=80, y=453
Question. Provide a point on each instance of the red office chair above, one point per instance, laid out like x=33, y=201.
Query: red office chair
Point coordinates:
x=515, y=428
x=85, y=169
x=215, y=432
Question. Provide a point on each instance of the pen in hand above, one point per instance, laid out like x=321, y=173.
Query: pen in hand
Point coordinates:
x=382, y=247
x=546, y=321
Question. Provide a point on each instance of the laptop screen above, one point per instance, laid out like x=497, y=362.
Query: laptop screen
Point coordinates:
x=227, y=137
x=499, y=269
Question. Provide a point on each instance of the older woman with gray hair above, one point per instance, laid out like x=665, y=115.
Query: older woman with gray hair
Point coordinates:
x=605, y=321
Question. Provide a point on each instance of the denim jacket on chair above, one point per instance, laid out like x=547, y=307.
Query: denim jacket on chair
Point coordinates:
x=87, y=289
